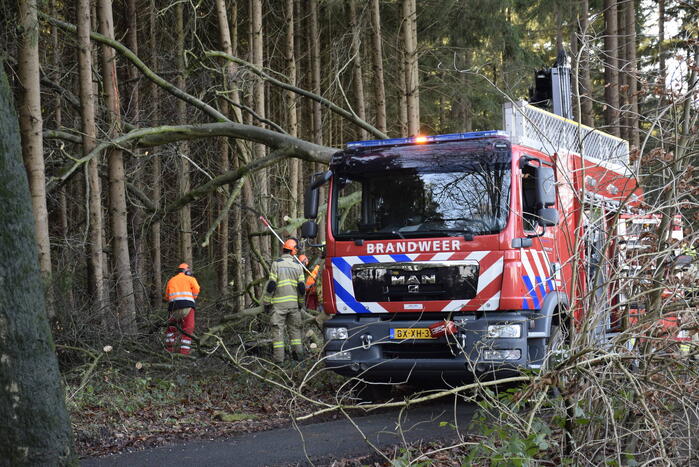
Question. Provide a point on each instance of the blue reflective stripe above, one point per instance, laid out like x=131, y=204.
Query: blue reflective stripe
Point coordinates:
x=550, y=284
x=525, y=304
x=349, y=300
x=346, y=269
x=531, y=291
x=343, y=266
x=402, y=258
x=369, y=259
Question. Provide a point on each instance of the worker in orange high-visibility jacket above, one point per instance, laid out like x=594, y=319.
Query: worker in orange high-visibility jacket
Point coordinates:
x=181, y=294
x=283, y=297
x=313, y=290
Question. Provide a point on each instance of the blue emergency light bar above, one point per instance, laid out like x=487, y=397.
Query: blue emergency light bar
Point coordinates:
x=427, y=139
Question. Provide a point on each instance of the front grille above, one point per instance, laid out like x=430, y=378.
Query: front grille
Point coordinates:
x=417, y=351
x=395, y=282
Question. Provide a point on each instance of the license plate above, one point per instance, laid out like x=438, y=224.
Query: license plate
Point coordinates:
x=411, y=333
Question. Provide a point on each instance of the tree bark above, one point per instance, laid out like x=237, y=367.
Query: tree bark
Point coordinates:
x=139, y=237
x=155, y=245
x=662, y=69
x=31, y=125
x=290, y=100
x=125, y=303
x=224, y=161
x=89, y=132
x=314, y=42
x=611, y=68
x=585, y=81
x=183, y=183
x=58, y=122
x=409, y=19
x=622, y=64
x=314, y=39
x=357, y=69
x=377, y=65
x=631, y=75
x=37, y=428
x=402, y=92
x=259, y=106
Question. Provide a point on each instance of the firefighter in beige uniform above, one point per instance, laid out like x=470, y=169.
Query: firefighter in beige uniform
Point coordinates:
x=284, y=297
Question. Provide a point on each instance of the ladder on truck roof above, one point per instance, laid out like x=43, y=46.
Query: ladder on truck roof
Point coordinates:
x=549, y=133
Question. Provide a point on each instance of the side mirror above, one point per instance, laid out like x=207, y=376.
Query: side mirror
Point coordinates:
x=311, y=199
x=309, y=229
x=545, y=187
x=547, y=217
x=310, y=202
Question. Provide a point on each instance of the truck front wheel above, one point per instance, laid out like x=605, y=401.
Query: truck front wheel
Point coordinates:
x=557, y=346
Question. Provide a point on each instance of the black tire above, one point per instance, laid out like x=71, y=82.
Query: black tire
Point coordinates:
x=556, y=346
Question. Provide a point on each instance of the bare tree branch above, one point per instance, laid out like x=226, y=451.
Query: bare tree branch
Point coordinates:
x=338, y=110
x=143, y=68
x=156, y=136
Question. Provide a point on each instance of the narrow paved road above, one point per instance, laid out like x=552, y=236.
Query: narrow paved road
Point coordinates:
x=313, y=444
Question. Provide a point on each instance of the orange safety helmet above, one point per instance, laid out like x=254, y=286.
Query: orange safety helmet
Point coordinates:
x=303, y=259
x=290, y=245
x=183, y=266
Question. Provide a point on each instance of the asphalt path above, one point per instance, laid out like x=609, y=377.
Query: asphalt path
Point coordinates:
x=310, y=444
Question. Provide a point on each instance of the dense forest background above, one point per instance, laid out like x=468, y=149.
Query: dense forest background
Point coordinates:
x=121, y=195
x=156, y=132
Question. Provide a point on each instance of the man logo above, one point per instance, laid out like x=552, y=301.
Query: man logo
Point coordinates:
x=425, y=279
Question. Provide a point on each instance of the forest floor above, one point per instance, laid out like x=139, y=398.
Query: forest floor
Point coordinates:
x=117, y=407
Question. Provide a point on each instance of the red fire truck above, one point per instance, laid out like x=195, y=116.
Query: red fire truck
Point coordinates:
x=477, y=229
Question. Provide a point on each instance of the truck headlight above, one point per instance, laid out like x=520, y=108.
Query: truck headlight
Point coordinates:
x=511, y=354
x=511, y=331
x=335, y=333
x=343, y=355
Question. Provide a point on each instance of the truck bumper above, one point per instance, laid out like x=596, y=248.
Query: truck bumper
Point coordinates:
x=371, y=350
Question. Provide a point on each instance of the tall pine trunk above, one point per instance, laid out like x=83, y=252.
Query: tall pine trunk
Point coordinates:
x=155, y=179
x=357, y=70
x=409, y=19
x=224, y=160
x=611, y=68
x=402, y=91
x=631, y=71
x=36, y=428
x=183, y=182
x=125, y=303
x=585, y=80
x=377, y=66
x=139, y=238
x=290, y=105
x=89, y=132
x=31, y=126
x=314, y=43
x=662, y=69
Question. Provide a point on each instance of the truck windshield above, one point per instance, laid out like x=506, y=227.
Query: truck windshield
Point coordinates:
x=418, y=194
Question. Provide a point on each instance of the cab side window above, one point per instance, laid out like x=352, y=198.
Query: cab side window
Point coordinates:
x=529, y=214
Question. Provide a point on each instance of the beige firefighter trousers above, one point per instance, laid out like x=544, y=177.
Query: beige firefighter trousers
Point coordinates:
x=286, y=318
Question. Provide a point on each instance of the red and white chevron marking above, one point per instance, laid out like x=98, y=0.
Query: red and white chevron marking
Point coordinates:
x=536, y=264
x=490, y=270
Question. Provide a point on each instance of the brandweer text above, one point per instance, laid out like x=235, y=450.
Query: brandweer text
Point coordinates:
x=412, y=247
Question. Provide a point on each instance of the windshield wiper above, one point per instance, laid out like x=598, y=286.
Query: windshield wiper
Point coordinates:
x=467, y=234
